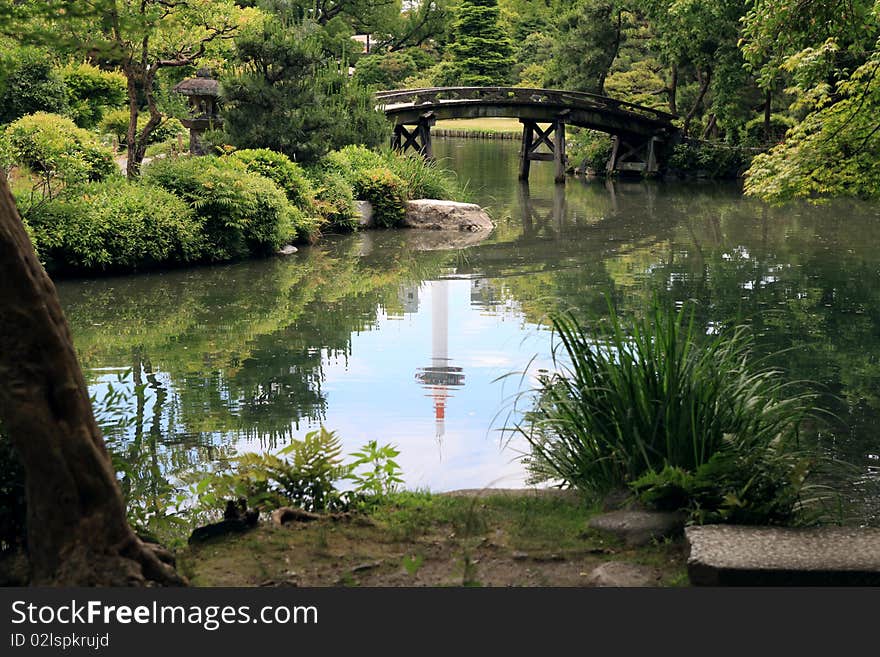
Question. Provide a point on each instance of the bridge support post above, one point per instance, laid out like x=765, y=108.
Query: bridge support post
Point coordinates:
x=416, y=136
x=633, y=156
x=534, y=137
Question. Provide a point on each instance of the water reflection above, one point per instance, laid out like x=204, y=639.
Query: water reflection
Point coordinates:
x=440, y=375
x=251, y=354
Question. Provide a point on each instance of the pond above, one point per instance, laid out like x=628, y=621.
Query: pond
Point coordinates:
x=379, y=335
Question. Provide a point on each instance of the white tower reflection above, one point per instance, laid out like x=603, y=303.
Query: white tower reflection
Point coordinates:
x=440, y=376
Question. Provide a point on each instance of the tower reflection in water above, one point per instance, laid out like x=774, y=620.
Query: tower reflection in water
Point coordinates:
x=440, y=376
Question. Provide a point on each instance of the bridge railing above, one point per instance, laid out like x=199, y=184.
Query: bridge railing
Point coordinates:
x=572, y=99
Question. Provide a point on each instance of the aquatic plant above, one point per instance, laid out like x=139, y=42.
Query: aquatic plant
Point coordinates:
x=686, y=420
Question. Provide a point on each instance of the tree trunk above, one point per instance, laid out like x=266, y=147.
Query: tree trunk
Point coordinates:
x=767, y=116
x=673, y=89
x=77, y=531
x=704, y=87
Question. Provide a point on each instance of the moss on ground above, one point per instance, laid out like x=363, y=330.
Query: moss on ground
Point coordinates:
x=419, y=539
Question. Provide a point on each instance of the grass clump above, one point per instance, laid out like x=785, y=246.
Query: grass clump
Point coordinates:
x=685, y=420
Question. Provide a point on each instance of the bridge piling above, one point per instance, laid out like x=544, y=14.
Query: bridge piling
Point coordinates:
x=533, y=138
x=417, y=137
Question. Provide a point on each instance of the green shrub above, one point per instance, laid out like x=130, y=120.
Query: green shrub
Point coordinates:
x=56, y=149
x=281, y=170
x=689, y=421
x=29, y=84
x=385, y=71
x=115, y=225
x=386, y=191
x=351, y=160
x=91, y=92
x=115, y=123
x=334, y=201
x=388, y=179
x=709, y=160
x=590, y=150
x=755, y=135
x=243, y=213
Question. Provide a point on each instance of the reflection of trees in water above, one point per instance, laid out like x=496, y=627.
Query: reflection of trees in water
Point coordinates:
x=238, y=350
x=805, y=279
x=241, y=347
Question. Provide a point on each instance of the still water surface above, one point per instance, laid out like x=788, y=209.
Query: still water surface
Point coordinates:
x=382, y=336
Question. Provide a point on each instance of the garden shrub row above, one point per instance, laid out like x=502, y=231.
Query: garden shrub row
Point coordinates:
x=87, y=217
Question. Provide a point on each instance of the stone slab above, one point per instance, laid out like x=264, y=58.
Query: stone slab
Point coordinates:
x=435, y=214
x=623, y=574
x=725, y=555
x=637, y=528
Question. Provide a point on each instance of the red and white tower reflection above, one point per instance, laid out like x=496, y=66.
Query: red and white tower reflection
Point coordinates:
x=440, y=376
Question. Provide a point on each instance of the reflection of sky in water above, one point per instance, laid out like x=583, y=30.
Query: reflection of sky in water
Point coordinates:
x=374, y=395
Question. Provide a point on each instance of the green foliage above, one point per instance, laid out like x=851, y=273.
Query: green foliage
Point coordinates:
x=833, y=151
x=115, y=225
x=334, y=200
x=115, y=123
x=660, y=407
x=29, y=84
x=481, y=52
x=708, y=160
x=283, y=94
x=382, y=476
x=91, y=92
x=589, y=39
x=243, y=212
x=385, y=71
x=642, y=84
x=278, y=168
x=424, y=178
x=56, y=149
x=372, y=181
x=755, y=133
x=303, y=474
x=590, y=150
x=386, y=191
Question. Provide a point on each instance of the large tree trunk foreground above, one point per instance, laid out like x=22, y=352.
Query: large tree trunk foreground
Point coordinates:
x=77, y=530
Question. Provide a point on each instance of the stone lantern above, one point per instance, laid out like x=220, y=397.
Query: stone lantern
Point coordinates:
x=203, y=92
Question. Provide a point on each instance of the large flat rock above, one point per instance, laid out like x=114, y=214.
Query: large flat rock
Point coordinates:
x=637, y=528
x=446, y=215
x=724, y=555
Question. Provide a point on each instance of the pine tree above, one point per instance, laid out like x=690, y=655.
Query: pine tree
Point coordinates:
x=482, y=52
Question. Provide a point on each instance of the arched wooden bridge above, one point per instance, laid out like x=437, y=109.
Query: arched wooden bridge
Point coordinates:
x=639, y=133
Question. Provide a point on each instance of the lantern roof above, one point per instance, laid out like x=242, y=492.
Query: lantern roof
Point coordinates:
x=201, y=85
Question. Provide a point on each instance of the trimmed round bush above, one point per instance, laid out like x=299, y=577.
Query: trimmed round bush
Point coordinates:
x=91, y=91
x=115, y=225
x=386, y=191
x=243, y=212
x=281, y=170
x=53, y=145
